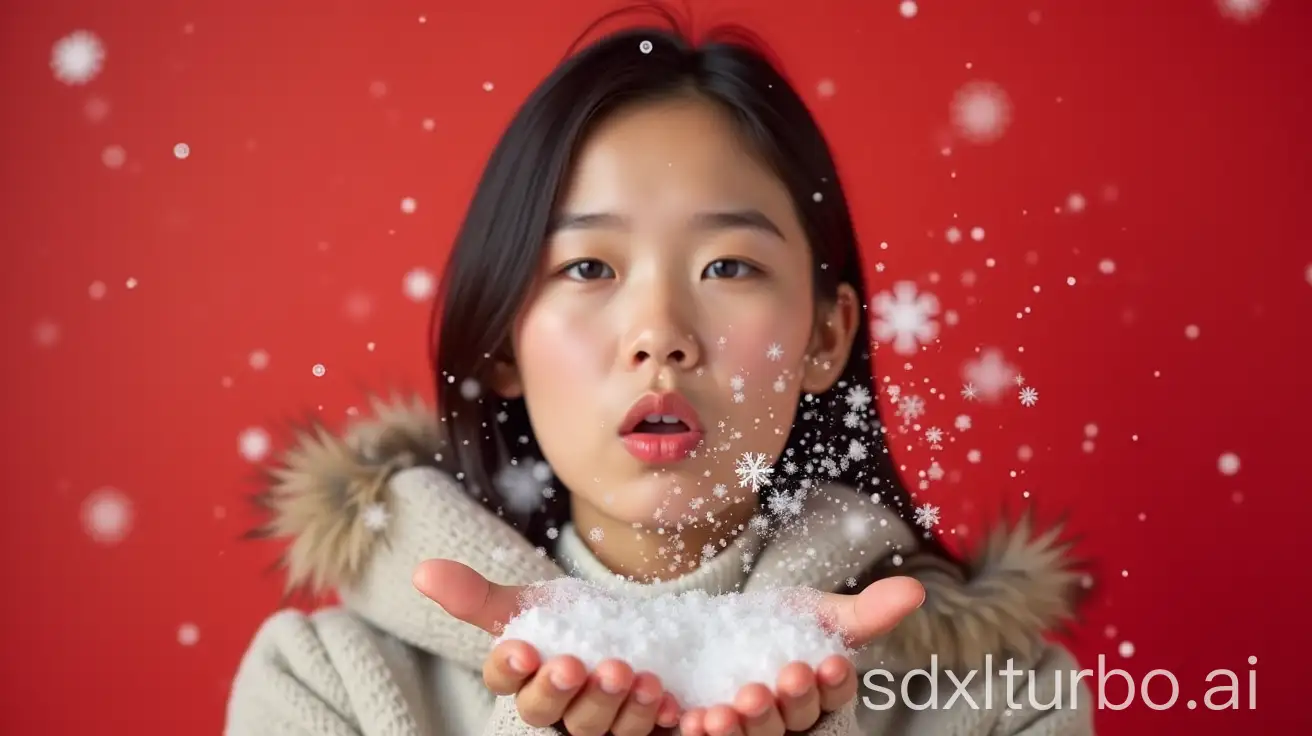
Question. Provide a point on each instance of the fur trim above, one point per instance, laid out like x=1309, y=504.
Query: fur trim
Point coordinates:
x=1017, y=586
x=318, y=496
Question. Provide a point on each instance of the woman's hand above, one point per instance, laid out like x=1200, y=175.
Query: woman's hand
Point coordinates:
x=613, y=699
x=802, y=695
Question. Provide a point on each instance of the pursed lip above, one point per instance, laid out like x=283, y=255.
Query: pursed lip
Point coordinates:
x=670, y=403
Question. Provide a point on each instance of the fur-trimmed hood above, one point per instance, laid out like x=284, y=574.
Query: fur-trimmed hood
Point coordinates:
x=358, y=510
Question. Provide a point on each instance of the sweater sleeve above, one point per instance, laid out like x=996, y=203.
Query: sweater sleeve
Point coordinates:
x=290, y=681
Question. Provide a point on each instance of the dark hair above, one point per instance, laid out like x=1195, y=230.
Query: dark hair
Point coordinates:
x=497, y=252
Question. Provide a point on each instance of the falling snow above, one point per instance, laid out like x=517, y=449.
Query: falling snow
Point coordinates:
x=107, y=516
x=1029, y=396
x=927, y=516
x=253, y=444
x=905, y=317
x=419, y=284
x=188, y=634
x=981, y=112
x=989, y=375
x=1228, y=464
x=77, y=58
x=753, y=470
x=375, y=517
x=1242, y=11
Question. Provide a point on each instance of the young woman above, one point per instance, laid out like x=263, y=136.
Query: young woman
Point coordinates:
x=653, y=372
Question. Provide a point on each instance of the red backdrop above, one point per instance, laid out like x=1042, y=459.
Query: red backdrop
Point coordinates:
x=141, y=291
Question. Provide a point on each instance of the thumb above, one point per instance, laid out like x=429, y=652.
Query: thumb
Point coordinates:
x=464, y=593
x=874, y=611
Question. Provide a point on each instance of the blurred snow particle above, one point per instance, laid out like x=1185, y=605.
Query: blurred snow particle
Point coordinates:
x=113, y=157
x=908, y=9
x=1107, y=266
x=905, y=317
x=1126, y=649
x=1075, y=202
x=378, y=89
x=826, y=88
x=253, y=444
x=258, y=360
x=990, y=374
x=46, y=333
x=419, y=284
x=77, y=58
x=1308, y=273
x=977, y=234
x=318, y=370
x=188, y=634
x=181, y=150
x=1228, y=464
x=107, y=516
x=97, y=290
x=645, y=47
x=981, y=112
x=1191, y=332
x=96, y=109
x=487, y=87
x=1242, y=11
x=408, y=205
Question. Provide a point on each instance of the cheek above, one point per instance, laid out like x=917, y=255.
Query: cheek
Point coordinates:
x=763, y=344
x=559, y=350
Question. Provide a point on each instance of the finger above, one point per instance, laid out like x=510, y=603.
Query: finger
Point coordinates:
x=693, y=722
x=462, y=592
x=637, y=716
x=722, y=720
x=595, y=708
x=509, y=666
x=543, y=700
x=799, y=701
x=756, y=706
x=667, y=715
x=836, y=679
x=874, y=611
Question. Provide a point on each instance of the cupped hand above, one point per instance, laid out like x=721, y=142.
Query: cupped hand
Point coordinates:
x=802, y=695
x=612, y=699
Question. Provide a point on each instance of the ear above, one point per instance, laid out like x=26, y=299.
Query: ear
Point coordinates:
x=831, y=342
x=504, y=379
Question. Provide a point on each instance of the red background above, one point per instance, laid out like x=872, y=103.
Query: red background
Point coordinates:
x=283, y=232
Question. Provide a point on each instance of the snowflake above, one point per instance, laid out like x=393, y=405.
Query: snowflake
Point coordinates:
x=962, y=422
x=739, y=397
x=935, y=471
x=927, y=516
x=857, y=451
x=910, y=408
x=775, y=351
x=905, y=317
x=758, y=524
x=753, y=470
x=708, y=551
x=784, y=504
x=989, y=374
x=375, y=517
x=720, y=490
x=981, y=112
x=780, y=386
x=77, y=57
x=736, y=383
x=107, y=516
x=1242, y=11
x=596, y=534
x=852, y=420
x=850, y=582
x=858, y=397
x=1029, y=395
x=969, y=392
x=523, y=485
x=934, y=435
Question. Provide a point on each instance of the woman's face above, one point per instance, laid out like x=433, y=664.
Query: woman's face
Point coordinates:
x=678, y=275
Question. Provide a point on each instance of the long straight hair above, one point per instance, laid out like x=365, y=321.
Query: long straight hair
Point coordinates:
x=498, y=250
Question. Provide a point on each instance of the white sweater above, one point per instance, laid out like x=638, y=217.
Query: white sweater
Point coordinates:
x=390, y=662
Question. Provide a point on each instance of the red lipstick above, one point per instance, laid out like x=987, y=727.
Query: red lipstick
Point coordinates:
x=661, y=428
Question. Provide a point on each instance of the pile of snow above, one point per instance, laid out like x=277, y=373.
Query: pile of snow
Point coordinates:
x=704, y=648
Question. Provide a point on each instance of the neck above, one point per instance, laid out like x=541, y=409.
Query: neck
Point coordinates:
x=649, y=553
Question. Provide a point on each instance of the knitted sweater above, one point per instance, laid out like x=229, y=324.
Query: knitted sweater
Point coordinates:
x=362, y=510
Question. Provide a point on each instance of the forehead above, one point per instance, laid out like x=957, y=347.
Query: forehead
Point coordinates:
x=681, y=154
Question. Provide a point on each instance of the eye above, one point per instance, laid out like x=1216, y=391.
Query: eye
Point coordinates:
x=588, y=269
x=729, y=268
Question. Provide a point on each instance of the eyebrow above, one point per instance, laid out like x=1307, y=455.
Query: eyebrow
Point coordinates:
x=750, y=219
